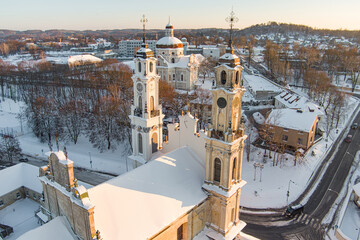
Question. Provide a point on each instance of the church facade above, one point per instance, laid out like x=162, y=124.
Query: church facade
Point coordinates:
x=186, y=188
x=180, y=70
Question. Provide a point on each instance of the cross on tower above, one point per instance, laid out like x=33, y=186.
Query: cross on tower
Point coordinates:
x=231, y=19
x=144, y=20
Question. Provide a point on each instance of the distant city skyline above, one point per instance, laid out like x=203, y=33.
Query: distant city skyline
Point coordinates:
x=111, y=14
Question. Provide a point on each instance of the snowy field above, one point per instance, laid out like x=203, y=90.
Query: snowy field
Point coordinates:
x=53, y=56
x=112, y=162
x=20, y=216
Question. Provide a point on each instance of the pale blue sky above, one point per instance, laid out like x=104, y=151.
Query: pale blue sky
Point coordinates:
x=118, y=14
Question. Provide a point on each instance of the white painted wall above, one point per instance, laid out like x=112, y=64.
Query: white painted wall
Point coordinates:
x=184, y=134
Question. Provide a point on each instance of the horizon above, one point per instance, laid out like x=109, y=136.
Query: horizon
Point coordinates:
x=160, y=29
x=109, y=14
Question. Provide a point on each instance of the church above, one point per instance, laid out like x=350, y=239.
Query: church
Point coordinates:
x=187, y=187
x=180, y=70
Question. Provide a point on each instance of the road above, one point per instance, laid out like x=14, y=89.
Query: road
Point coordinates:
x=91, y=177
x=308, y=225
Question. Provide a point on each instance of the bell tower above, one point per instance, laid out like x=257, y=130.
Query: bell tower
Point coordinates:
x=224, y=145
x=146, y=112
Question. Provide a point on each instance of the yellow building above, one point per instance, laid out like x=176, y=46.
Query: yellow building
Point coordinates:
x=293, y=128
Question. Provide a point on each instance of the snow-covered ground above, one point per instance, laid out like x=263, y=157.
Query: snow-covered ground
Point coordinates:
x=271, y=192
x=81, y=153
x=53, y=56
x=20, y=216
x=9, y=123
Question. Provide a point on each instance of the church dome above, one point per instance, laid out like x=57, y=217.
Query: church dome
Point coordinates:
x=169, y=42
x=169, y=26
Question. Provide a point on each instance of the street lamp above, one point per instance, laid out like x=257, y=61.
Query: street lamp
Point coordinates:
x=90, y=160
x=255, y=166
x=333, y=191
x=288, y=191
x=261, y=168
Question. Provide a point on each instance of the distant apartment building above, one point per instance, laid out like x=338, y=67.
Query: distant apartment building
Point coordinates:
x=208, y=51
x=128, y=48
x=293, y=128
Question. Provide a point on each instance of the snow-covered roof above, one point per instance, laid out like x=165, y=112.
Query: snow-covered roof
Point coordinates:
x=56, y=229
x=21, y=174
x=144, y=50
x=184, y=61
x=229, y=56
x=259, y=83
x=140, y=203
x=356, y=189
x=292, y=100
x=169, y=41
x=83, y=58
x=292, y=119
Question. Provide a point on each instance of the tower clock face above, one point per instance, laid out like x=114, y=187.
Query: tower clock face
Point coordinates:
x=221, y=102
x=139, y=87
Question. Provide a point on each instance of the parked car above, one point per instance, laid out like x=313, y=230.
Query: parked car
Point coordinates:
x=245, y=108
x=23, y=160
x=348, y=139
x=292, y=211
x=355, y=126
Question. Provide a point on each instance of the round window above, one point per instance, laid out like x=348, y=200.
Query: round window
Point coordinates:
x=221, y=102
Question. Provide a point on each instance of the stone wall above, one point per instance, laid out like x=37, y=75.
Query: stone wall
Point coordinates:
x=17, y=194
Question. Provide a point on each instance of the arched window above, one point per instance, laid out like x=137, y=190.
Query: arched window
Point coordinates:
x=139, y=66
x=173, y=77
x=140, y=143
x=237, y=77
x=217, y=170
x=154, y=142
x=173, y=60
x=140, y=102
x=234, y=170
x=151, y=67
x=182, y=77
x=223, y=77
x=151, y=103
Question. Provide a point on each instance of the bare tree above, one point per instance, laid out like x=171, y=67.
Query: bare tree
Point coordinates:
x=4, y=49
x=9, y=148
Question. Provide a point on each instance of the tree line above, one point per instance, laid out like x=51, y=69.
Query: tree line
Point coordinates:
x=91, y=100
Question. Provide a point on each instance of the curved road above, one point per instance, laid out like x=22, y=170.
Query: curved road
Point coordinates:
x=308, y=225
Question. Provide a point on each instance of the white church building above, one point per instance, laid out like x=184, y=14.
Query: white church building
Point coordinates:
x=180, y=70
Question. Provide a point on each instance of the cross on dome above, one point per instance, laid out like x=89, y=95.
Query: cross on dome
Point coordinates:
x=231, y=19
x=144, y=52
x=144, y=20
